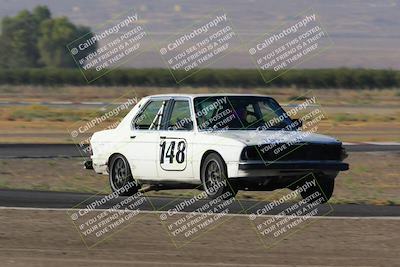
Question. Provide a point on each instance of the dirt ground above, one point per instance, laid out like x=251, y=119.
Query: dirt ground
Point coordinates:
x=27, y=93
x=351, y=115
x=47, y=238
x=55, y=132
x=372, y=178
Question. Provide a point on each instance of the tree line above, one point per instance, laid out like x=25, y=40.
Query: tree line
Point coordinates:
x=35, y=39
x=301, y=78
x=33, y=51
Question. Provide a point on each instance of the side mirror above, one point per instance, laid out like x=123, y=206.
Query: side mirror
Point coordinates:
x=297, y=123
x=188, y=126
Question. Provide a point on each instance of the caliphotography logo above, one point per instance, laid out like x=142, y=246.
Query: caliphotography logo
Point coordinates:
x=289, y=45
x=111, y=45
x=200, y=45
x=102, y=216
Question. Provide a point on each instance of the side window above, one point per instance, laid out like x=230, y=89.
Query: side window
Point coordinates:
x=267, y=112
x=208, y=110
x=150, y=117
x=269, y=115
x=180, y=116
x=208, y=105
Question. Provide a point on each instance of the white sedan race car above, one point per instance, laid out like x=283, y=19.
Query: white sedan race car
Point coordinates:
x=218, y=143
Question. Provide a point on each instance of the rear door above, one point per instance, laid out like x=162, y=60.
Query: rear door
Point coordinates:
x=175, y=144
x=142, y=148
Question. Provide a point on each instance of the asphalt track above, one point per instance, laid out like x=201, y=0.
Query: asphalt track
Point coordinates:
x=71, y=150
x=66, y=200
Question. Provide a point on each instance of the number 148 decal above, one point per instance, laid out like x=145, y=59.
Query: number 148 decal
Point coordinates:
x=173, y=154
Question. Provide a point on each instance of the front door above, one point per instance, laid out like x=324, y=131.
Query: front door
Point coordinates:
x=175, y=142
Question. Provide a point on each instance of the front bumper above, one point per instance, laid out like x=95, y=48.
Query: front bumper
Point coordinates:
x=331, y=165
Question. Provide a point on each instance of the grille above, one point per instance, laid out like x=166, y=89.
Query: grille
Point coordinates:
x=299, y=151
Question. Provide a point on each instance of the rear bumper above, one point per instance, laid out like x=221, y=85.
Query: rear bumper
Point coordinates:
x=295, y=165
x=88, y=165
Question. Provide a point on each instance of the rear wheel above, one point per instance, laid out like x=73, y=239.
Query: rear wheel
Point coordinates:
x=214, y=177
x=120, y=177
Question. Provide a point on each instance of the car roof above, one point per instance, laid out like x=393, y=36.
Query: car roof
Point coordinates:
x=203, y=95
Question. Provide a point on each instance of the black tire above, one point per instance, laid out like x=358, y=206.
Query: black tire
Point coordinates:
x=324, y=186
x=120, y=176
x=214, y=177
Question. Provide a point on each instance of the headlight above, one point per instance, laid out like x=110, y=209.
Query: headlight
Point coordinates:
x=249, y=153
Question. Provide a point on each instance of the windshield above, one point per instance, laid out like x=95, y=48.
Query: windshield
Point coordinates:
x=240, y=113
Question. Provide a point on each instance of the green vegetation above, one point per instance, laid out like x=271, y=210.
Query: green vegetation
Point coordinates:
x=43, y=113
x=341, y=117
x=35, y=113
x=35, y=39
x=245, y=78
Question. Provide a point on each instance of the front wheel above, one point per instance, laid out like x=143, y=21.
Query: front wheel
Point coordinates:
x=214, y=177
x=120, y=177
x=323, y=188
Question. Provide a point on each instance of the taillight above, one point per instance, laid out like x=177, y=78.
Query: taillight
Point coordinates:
x=88, y=149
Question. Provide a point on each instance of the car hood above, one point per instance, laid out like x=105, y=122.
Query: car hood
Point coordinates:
x=264, y=137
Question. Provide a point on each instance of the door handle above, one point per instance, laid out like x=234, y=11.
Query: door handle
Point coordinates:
x=163, y=137
x=133, y=136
